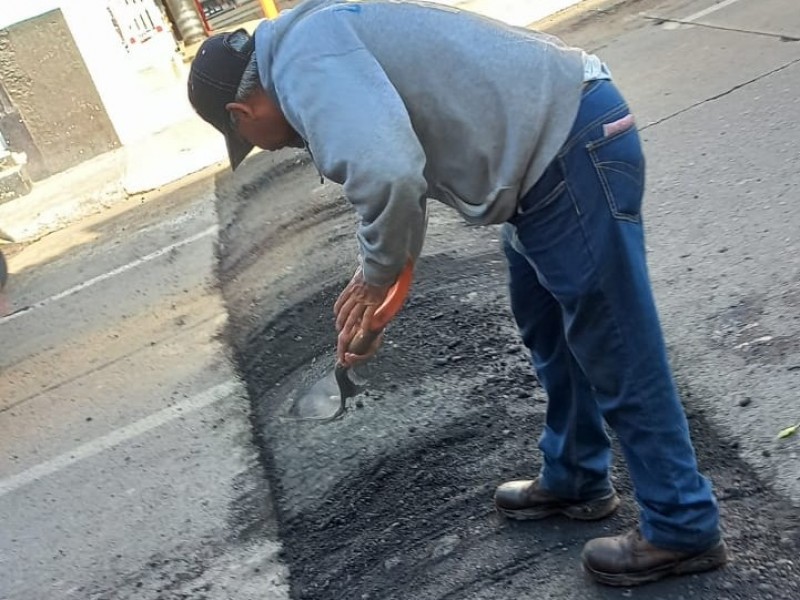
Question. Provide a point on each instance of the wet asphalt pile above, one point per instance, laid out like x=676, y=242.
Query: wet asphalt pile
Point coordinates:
x=393, y=501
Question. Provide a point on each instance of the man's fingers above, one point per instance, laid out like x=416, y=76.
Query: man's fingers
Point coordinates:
x=350, y=306
x=343, y=341
x=343, y=297
x=366, y=318
x=360, y=318
x=349, y=359
x=354, y=309
x=347, y=292
x=355, y=318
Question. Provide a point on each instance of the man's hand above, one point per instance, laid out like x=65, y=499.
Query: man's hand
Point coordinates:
x=354, y=309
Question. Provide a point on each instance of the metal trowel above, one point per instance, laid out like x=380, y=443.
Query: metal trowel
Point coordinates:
x=349, y=384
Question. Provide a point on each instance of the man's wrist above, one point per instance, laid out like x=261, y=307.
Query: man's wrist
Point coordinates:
x=378, y=276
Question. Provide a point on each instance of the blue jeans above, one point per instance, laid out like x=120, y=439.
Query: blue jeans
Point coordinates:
x=581, y=296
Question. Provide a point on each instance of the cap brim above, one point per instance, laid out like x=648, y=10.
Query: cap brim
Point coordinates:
x=238, y=149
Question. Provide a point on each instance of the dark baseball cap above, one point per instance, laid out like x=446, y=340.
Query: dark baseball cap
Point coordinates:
x=214, y=78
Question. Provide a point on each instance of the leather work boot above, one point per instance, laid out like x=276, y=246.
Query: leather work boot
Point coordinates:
x=629, y=559
x=524, y=500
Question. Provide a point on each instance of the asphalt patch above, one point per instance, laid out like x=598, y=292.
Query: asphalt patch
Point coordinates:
x=394, y=500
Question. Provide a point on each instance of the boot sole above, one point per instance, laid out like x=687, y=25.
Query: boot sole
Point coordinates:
x=592, y=511
x=713, y=558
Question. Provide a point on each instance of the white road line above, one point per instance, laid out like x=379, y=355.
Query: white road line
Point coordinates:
x=117, y=437
x=711, y=9
x=113, y=273
x=702, y=13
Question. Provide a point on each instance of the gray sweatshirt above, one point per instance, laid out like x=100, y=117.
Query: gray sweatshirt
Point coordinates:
x=404, y=101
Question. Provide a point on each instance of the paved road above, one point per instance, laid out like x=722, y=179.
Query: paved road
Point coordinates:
x=720, y=109
x=127, y=468
x=394, y=501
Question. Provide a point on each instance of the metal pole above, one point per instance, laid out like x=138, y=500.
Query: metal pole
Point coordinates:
x=270, y=8
x=187, y=20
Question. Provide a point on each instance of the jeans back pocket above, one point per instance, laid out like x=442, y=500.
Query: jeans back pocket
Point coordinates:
x=620, y=166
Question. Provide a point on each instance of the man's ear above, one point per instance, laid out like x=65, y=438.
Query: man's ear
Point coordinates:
x=239, y=110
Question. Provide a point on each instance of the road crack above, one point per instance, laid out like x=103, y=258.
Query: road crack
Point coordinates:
x=778, y=36
x=716, y=97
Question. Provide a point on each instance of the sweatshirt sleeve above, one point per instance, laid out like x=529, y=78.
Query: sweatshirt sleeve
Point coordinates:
x=336, y=94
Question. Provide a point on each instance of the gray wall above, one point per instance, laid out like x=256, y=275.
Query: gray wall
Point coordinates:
x=49, y=106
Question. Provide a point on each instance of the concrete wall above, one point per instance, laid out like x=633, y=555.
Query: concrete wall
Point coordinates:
x=60, y=118
x=143, y=91
x=18, y=138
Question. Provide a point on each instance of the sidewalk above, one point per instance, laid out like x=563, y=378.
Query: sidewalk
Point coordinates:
x=90, y=187
x=520, y=13
x=182, y=149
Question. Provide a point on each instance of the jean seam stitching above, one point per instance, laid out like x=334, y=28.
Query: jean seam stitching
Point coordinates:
x=574, y=139
x=610, y=199
x=597, y=279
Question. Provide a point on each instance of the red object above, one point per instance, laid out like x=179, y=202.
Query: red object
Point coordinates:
x=395, y=298
x=202, y=14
